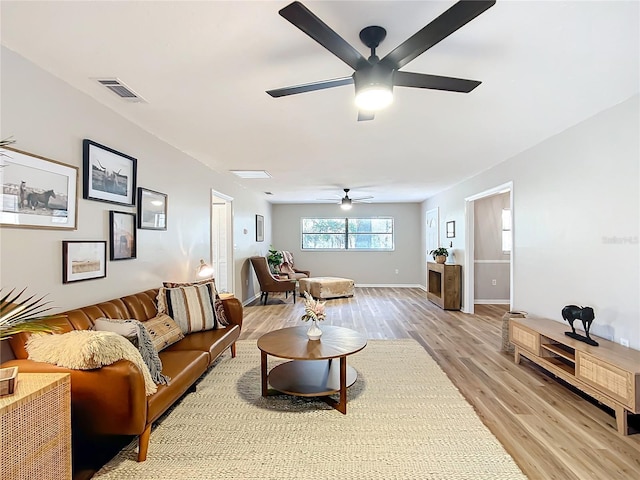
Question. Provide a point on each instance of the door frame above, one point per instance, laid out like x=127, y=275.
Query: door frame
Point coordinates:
x=469, y=253
x=228, y=201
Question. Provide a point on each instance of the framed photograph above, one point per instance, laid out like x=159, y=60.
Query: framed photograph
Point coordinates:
x=152, y=210
x=122, y=232
x=83, y=260
x=451, y=229
x=109, y=176
x=259, y=228
x=37, y=192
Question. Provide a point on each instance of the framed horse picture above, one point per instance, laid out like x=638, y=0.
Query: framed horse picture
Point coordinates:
x=37, y=192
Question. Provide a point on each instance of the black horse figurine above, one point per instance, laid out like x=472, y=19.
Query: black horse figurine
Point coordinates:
x=586, y=315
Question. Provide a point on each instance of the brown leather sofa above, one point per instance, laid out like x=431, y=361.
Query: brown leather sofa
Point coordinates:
x=111, y=400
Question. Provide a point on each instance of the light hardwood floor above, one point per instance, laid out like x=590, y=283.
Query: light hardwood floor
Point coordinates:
x=551, y=430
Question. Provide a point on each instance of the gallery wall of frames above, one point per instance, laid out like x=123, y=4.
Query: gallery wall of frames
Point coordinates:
x=42, y=193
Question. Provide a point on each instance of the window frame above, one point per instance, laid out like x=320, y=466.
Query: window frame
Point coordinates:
x=346, y=234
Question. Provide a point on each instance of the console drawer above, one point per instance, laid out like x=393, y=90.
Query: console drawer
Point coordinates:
x=525, y=338
x=607, y=378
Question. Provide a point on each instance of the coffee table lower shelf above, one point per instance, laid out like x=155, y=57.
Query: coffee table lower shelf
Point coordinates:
x=313, y=378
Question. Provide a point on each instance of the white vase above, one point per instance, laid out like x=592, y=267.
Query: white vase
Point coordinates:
x=314, y=332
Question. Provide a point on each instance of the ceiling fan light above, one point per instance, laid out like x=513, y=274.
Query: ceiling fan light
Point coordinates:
x=345, y=204
x=374, y=98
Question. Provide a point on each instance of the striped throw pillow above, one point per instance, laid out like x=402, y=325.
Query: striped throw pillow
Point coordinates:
x=218, y=307
x=190, y=307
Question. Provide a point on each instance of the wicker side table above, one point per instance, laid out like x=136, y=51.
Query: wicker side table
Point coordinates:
x=35, y=428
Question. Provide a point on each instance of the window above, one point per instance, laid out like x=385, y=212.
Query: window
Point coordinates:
x=347, y=233
x=506, y=231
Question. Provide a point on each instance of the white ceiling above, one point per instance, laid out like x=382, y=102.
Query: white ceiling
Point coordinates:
x=203, y=68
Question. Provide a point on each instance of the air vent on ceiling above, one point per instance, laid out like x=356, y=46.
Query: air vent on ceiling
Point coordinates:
x=120, y=89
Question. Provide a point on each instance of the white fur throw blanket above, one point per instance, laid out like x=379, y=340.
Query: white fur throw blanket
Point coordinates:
x=86, y=350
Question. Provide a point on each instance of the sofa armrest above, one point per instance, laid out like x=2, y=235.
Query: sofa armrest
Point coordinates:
x=233, y=310
x=110, y=400
x=306, y=272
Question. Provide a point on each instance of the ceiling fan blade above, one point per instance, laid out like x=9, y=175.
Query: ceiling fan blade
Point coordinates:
x=310, y=87
x=301, y=17
x=362, y=200
x=434, y=82
x=457, y=16
x=364, y=116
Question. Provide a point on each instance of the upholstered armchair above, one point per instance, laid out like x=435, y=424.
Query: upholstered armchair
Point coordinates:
x=288, y=268
x=269, y=283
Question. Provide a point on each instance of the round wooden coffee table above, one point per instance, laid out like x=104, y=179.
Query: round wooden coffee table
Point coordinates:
x=311, y=371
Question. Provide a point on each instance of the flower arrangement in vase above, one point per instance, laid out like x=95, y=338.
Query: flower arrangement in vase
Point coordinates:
x=314, y=312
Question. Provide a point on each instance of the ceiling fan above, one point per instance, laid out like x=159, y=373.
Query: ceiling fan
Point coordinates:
x=346, y=202
x=374, y=78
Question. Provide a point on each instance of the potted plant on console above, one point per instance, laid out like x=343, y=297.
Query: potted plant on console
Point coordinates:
x=439, y=254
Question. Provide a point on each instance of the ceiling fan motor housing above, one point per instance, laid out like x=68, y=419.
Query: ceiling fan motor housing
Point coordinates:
x=376, y=77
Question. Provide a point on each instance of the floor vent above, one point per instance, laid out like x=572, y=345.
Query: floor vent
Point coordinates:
x=120, y=89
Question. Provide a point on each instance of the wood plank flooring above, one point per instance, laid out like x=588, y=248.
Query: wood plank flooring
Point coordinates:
x=551, y=430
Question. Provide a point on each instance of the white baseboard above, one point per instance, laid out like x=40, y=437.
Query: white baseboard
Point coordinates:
x=248, y=301
x=491, y=302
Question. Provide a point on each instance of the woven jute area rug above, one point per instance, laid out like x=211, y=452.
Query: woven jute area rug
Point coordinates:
x=405, y=420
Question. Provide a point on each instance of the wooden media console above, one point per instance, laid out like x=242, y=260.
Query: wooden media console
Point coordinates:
x=610, y=373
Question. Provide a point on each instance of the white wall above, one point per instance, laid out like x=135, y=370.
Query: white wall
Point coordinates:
x=365, y=268
x=576, y=220
x=47, y=117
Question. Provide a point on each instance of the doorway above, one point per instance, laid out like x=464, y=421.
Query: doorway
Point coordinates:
x=432, y=222
x=470, y=244
x=222, y=240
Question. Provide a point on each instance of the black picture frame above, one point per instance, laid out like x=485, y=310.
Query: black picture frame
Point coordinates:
x=451, y=229
x=83, y=260
x=122, y=235
x=259, y=228
x=152, y=209
x=108, y=175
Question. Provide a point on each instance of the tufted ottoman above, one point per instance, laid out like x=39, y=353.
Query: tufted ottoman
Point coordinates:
x=326, y=287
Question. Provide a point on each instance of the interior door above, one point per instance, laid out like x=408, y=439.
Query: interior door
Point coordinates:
x=222, y=241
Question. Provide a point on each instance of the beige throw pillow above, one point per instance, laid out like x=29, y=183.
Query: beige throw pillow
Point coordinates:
x=163, y=331
x=127, y=330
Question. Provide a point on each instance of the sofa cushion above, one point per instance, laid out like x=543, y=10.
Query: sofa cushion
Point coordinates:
x=184, y=368
x=214, y=342
x=164, y=331
x=221, y=317
x=191, y=307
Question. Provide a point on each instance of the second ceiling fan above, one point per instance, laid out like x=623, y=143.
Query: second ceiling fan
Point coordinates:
x=346, y=202
x=374, y=78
